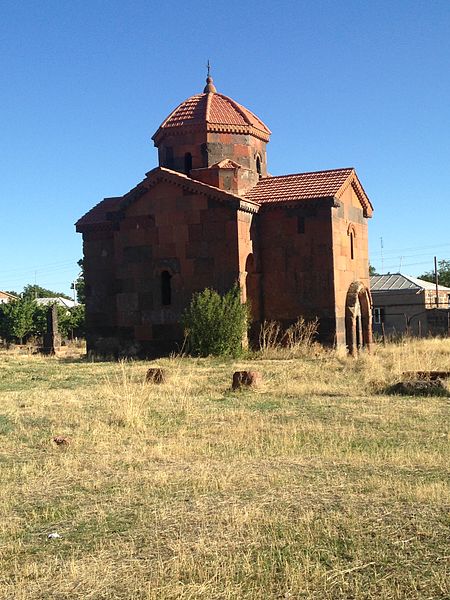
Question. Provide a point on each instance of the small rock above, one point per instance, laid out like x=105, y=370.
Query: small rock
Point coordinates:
x=61, y=440
x=246, y=379
x=156, y=375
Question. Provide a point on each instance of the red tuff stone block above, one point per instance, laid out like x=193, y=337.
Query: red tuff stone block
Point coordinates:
x=246, y=379
x=156, y=375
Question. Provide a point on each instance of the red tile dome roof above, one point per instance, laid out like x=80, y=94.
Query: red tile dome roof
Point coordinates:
x=213, y=112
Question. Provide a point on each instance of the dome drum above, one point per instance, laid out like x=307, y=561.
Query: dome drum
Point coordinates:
x=208, y=128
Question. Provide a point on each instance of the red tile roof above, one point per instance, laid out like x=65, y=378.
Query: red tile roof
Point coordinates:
x=301, y=186
x=268, y=191
x=226, y=164
x=216, y=112
x=98, y=214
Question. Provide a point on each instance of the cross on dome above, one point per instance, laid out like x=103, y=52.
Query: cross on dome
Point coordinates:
x=210, y=88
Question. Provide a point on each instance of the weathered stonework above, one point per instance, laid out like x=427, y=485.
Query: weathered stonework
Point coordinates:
x=210, y=215
x=52, y=339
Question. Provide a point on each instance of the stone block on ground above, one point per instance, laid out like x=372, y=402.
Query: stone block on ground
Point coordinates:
x=156, y=375
x=246, y=379
x=431, y=375
x=60, y=440
x=419, y=387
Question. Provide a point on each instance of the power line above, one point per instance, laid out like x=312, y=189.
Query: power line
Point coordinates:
x=403, y=250
x=413, y=255
x=45, y=267
x=395, y=265
x=20, y=278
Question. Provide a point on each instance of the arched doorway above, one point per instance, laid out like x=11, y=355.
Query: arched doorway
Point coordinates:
x=358, y=318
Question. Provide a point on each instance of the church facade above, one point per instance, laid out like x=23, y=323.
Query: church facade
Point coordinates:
x=210, y=215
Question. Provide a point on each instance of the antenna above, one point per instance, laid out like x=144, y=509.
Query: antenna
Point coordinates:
x=382, y=258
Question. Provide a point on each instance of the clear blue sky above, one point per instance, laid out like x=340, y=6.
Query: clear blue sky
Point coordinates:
x=84, y=85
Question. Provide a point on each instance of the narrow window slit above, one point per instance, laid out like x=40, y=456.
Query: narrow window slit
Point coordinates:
x=258, y=166
x=166, y=288
x=187, y=163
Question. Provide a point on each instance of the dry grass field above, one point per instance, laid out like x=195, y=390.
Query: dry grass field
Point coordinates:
x=316, y=485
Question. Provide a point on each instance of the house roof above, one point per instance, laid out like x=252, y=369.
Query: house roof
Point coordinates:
x=215, y=112
x=308, y=186
x=398, y=281
x=8, y=295
x=57, y=300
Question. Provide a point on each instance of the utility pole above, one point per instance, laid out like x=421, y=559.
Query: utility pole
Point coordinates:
x=436, y=280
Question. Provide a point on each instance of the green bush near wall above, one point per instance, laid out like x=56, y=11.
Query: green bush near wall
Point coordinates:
x=216, y=324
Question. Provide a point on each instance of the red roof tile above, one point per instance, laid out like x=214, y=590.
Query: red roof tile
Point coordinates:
x=301, y=186
x=98, y=214
x=217, y=113
x=226, y=164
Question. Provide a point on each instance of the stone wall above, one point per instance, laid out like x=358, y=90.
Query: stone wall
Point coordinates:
x=99, y=274
x=243, y=149
x=348, y=222
x=189, y=237
x=297, y=264
x=409, y=311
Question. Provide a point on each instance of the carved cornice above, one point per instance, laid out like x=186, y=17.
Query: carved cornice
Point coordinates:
x=209, y=128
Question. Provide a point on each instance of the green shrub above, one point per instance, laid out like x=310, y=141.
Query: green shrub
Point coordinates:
x=215, y=324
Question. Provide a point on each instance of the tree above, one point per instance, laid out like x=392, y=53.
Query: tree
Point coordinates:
x=79, y=284
x=443, y=273
x=216, y=324
x=32, y=291
x=16, y=319
x=78, y=320
x=372, y=270
x=39, y=319
x=71, y=321
x=23, y=318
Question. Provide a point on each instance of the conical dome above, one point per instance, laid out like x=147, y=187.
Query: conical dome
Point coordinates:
x=213, y=113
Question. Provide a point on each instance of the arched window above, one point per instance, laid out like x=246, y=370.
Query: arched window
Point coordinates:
x=187, y=163
x=166, y=288
x=258, y=166
x=352, y=234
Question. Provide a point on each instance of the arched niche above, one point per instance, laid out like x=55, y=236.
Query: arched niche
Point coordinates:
x=358, y=318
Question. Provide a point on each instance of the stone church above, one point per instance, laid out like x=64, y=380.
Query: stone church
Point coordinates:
x=209, y=215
